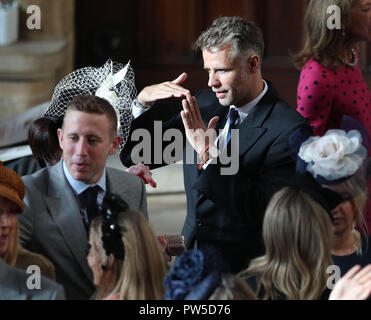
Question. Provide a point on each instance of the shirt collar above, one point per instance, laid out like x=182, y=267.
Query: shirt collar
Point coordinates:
x=79, y=186
x=244, y=110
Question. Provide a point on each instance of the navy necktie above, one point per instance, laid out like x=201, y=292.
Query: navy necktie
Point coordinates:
x=233, y=121
x=89, y=201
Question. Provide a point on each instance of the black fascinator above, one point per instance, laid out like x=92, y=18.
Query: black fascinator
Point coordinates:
x=112, y=237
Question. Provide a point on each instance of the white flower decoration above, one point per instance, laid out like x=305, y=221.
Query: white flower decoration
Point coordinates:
x=105, y=92
x=335, y=155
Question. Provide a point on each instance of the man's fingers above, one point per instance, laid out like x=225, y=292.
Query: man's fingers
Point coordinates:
x=213, y=122
x=175, y=90
x=191, y=108
x=144, y=173
x=186, y=109
x=150, y=181
x=163, y=90
x=180, y=79
x=187, y=122
x=196, y=109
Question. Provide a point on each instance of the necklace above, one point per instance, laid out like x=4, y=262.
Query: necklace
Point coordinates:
x=354, y=58
x=344, y=252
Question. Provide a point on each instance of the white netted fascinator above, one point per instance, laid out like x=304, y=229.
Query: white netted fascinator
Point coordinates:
x=113, y=82
x=336, y=155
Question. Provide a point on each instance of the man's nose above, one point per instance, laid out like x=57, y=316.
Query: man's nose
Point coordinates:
x=213, y=80
x=82, y=147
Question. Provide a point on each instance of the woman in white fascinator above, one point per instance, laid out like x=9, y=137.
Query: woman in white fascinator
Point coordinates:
x=338, y=160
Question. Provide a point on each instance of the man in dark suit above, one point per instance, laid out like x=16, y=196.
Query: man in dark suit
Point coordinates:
x=56, y=217
x=226, y=200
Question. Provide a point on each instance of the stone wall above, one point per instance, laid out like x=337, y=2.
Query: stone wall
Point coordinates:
x=31, y=67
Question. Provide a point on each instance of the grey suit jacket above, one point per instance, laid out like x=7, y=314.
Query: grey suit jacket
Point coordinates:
x=51, y=223
x=13, y=286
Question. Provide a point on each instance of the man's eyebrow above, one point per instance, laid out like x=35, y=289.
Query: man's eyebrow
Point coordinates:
x=94, y=136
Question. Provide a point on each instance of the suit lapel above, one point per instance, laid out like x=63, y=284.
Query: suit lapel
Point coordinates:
x=65, y=211
x=250, y=130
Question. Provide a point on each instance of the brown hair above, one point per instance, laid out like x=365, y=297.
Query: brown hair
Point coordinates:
x=242, y=34
x=321, y=43
x=93, y=104
x=43, y=140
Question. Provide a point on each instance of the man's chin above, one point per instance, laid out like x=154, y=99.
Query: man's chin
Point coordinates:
x=224, y=102
x=79, y=175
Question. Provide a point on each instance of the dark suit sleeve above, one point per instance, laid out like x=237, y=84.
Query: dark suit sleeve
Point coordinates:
x=249, y=190
x=166, y=113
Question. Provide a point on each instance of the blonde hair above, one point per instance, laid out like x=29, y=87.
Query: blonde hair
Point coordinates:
x=357, y=188
x=140, y=275
x=321, y=43
x=232, y=287
x=297, y=235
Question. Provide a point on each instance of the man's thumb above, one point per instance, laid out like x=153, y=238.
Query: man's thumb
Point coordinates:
x=212, y=122
x=180, y=79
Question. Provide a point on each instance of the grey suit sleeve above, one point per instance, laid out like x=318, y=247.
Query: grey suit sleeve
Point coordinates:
x=51, y=290
x=143, y=200
x=59, y=294
x=26, y=219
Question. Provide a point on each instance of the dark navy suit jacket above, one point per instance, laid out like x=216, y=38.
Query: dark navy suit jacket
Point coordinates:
x=227, y=211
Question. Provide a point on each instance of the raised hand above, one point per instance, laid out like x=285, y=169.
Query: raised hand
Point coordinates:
x=164, y=90
x=143, y=172
x=197, y=134
x=354, y=285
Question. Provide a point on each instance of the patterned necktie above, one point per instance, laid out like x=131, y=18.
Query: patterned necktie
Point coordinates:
x=233, y=122
x=89, y=201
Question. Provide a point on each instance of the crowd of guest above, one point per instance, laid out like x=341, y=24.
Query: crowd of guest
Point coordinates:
x=294, y=208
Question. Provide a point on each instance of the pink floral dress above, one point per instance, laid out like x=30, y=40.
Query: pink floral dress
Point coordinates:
x=324, y=95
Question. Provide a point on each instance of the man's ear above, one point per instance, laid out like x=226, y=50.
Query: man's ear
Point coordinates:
x=60, y=137
x=253, y=63
x=115, y=144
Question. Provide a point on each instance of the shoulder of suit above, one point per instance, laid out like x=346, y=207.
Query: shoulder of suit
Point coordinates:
x=114, y=173
x=39, y=174
x=39, y=179
x=287, y=113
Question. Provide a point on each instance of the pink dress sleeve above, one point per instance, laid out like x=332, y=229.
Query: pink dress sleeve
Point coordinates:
x=314, y=95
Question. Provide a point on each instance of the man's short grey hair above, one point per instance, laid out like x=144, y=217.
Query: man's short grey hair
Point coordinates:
x=242, y=34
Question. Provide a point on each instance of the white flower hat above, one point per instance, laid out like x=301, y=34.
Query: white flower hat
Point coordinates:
x=335, y=156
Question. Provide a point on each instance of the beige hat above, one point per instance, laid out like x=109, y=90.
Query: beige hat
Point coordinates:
x=11, y=186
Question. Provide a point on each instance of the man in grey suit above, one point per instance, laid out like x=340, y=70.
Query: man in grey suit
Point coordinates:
x=55, y=220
